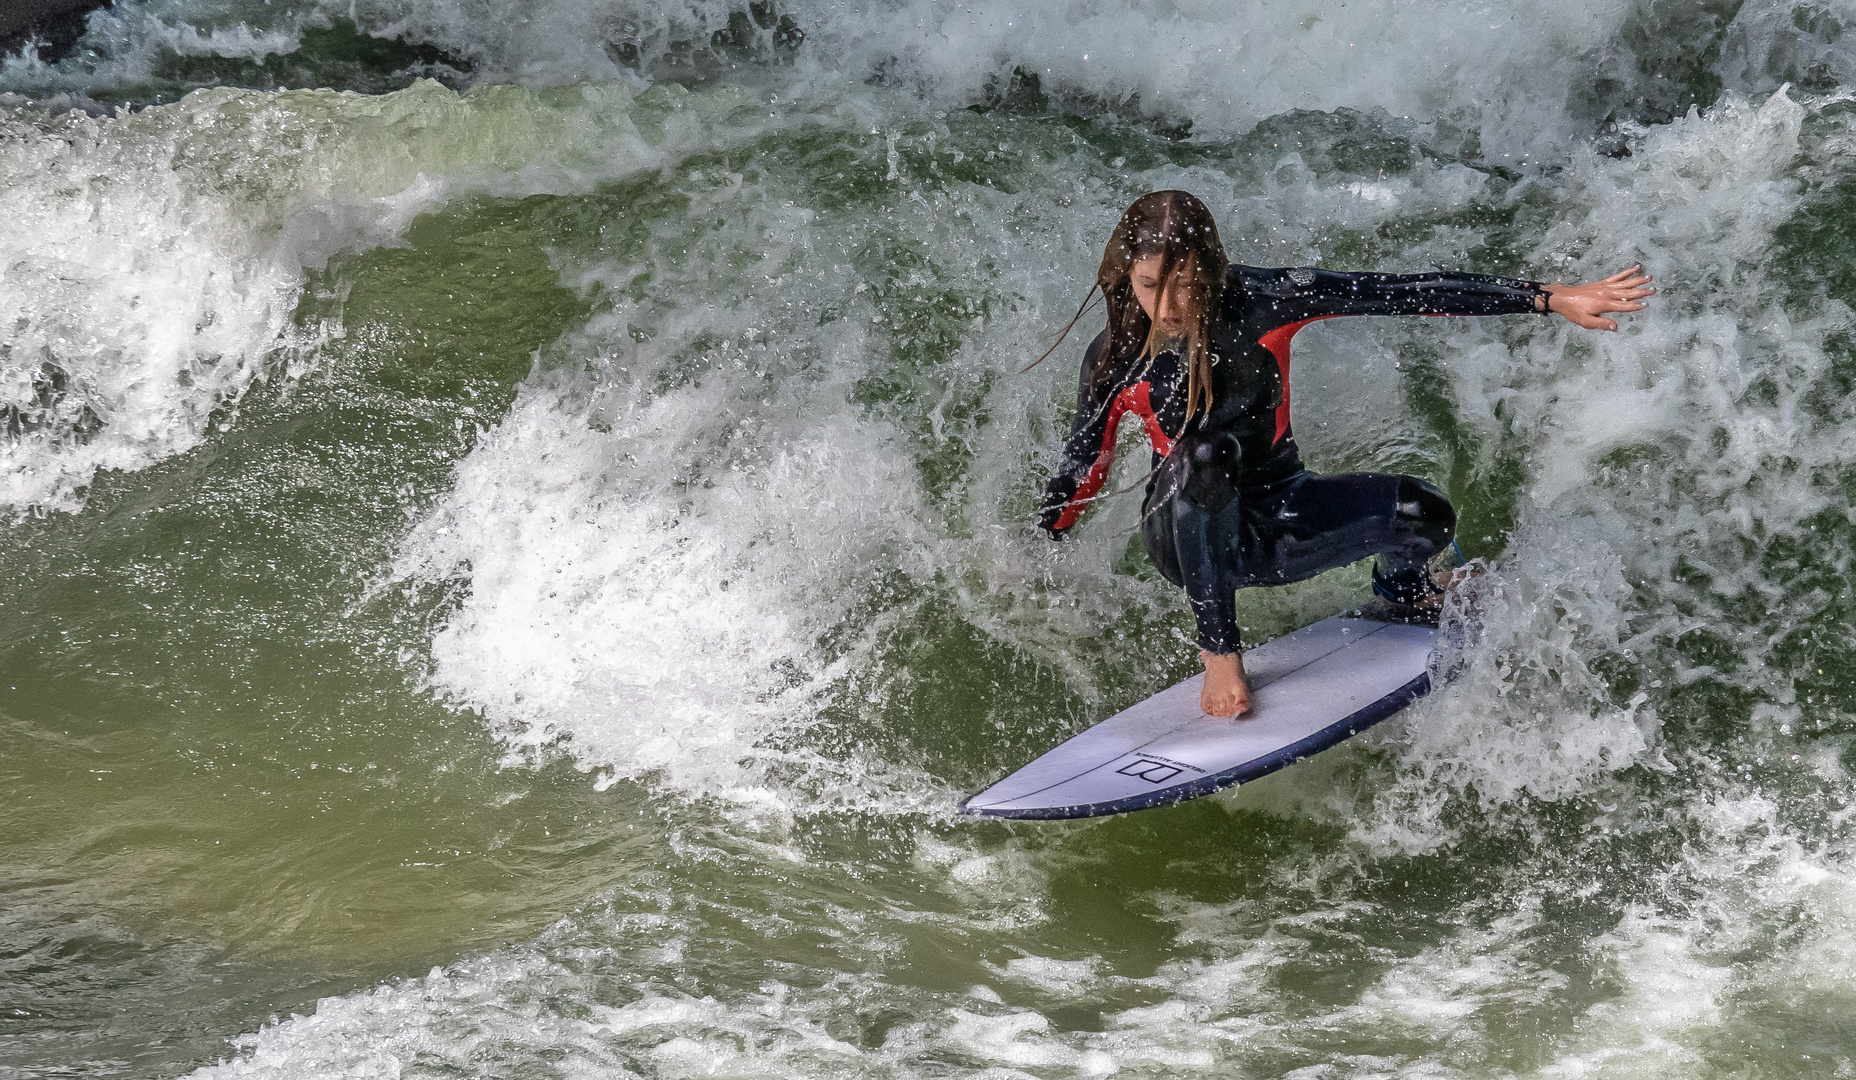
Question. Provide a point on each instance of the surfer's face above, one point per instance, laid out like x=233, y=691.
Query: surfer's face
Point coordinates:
x=1168, y=313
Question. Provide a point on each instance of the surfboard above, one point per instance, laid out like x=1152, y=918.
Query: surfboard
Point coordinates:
x=1309, y=690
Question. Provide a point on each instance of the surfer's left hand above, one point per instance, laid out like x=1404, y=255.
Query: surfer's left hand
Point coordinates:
x=1587, y=305
x=1226, y=691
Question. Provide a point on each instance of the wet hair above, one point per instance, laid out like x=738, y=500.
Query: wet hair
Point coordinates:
x=1178, y=228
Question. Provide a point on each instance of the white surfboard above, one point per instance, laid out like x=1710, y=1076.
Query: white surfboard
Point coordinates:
x=1309, y=689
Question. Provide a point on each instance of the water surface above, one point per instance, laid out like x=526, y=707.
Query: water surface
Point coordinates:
x=517, y=533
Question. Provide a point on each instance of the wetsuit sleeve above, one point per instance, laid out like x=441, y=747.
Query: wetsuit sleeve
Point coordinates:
x=1087, y=454
x=1296, y=296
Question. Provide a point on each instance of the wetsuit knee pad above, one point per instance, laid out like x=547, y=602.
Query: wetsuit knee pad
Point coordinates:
x=1425, y=515
x=1186, y=540
x=1162, y=545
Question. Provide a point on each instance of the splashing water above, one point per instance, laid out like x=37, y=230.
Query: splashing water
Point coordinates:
x=553, y=512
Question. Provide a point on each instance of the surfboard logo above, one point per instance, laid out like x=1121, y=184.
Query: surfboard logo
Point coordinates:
x=1154, y=772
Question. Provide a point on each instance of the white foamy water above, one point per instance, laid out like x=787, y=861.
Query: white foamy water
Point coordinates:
x=154, y=259
x=655, y=591
x=682, y=550
x=1531, y=714
x=601, y=995
x=1485, y=75
x=782, y=479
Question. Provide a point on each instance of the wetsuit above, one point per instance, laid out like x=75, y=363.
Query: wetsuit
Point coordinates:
x=1229, y=505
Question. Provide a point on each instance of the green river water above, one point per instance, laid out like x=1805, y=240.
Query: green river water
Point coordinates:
x=517, y=535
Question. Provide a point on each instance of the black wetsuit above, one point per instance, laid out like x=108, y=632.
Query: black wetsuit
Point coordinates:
x=1229, y=505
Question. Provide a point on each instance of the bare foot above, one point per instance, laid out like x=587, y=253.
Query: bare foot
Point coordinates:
x=1226, y=691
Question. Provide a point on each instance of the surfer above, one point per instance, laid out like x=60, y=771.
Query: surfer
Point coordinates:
x=1198, y=350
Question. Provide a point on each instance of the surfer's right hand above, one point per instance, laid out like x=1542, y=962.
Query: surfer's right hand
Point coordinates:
x=1226, y=691
x=1057, y=498
x=1587, y=305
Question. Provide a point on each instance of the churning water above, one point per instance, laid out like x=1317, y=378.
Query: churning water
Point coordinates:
x=517, y=534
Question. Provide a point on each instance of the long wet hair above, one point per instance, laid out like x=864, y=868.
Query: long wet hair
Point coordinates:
x=1178, y=228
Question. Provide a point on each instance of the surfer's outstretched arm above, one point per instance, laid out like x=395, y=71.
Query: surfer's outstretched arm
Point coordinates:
x=1285, y=298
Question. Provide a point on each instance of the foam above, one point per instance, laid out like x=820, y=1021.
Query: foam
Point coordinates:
x=739, y=440
x=1772, y=44
x=1530, y=714
x=155, y=257
x=141, y=305
x=454, y=1018
x=1686, y=975
x=1512, y=83
x=662, y=622
x=1665, y=989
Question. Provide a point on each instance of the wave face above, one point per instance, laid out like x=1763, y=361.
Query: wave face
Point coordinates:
x=545, y=502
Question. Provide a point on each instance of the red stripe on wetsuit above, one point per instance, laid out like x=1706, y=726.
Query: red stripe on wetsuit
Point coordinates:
x=1137, y=400
x=1277, y=342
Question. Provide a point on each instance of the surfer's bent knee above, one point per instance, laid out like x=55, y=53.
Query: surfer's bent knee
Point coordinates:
x=1162, y=546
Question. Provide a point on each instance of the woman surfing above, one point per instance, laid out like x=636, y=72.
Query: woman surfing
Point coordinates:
x=1198, y=349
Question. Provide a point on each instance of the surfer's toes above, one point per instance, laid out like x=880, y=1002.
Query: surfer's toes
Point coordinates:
x=1225, y=709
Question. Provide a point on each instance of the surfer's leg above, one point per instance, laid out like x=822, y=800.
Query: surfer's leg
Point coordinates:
x=1160, y=534
x=1196, y=548
x=1322, y=522
x=1424, y=524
